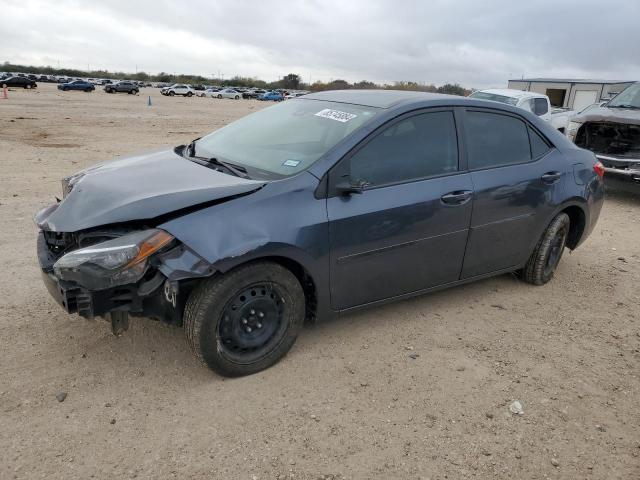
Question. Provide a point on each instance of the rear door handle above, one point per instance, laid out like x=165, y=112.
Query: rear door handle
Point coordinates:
x=459, y=197
x=551, y=177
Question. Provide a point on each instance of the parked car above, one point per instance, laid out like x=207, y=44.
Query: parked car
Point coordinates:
x=209, y=92
x=255, y=93
x=273, y=96
x=612, y=131
x=77, y=85
x=537, y=103
x=316, y=206
x=178, y=89
x=122, y=86
x=228, y=93
x=19, y=82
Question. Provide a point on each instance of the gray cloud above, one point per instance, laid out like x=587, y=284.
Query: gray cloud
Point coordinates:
x=470, y=42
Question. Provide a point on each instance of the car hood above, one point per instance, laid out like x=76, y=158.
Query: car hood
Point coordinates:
x=606, y=114
x=140, y=187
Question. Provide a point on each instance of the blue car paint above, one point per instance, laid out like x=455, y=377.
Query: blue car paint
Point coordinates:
x=274, y=96
x=390, y=242
x=456, y=247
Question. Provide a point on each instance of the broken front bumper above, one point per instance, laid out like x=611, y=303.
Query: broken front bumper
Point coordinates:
x=621, y=174
x=146, y=298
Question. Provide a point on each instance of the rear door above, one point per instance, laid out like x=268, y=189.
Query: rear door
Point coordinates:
x=407, y=230
x=518, y=181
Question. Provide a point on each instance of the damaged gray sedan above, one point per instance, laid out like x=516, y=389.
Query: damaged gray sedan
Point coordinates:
x=320, y=205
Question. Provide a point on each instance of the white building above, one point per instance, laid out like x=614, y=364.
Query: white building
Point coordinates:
x=571, y=93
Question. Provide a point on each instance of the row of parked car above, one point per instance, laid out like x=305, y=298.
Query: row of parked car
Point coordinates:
x=233, y=93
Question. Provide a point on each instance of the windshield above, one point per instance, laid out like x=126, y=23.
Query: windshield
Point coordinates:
x=494, y=97
x=286, y=138
x=629, y=98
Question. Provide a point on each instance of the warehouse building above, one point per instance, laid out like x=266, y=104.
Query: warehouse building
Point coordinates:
x=571, y=93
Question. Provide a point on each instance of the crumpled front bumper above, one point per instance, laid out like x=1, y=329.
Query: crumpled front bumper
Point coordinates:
x=75, y=299
x=621, y=174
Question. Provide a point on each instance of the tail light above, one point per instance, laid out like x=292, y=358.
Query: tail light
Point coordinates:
x=599, y=169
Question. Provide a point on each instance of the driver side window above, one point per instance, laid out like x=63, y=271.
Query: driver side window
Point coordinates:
x=421, y=146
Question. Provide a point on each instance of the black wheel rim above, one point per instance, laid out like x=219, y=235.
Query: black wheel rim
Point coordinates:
x=555, y=251
x=253, y=323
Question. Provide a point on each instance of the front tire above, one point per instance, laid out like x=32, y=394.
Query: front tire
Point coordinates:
x=545, y=257
x=171, y=94
x=246, y=320
x=219, y=96
x=237, y=97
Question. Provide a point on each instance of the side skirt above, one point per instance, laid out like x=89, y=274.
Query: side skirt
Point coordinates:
x=444, y=286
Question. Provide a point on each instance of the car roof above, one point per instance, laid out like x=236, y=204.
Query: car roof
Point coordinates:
x=375, y=98
x=512, y=93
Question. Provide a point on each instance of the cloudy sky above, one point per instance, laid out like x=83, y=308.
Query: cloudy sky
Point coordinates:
x=475, y=43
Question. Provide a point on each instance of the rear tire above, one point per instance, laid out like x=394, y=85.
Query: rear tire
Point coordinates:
x=545, y=257
x=237, y=97
x=246, y=320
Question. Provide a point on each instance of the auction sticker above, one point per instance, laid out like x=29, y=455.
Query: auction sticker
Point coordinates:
x=336, y=115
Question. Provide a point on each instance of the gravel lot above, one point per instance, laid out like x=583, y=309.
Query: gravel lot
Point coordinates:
x=349, y=401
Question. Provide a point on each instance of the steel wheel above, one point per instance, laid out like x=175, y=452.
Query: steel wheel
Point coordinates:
x=252, y=323
x=245, y=320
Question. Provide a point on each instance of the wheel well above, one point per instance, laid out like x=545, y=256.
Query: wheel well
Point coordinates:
x=303, y=276
x=576, y=228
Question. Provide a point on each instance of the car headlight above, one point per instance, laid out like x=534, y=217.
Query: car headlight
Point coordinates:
x=115, y=262
x=572, y=129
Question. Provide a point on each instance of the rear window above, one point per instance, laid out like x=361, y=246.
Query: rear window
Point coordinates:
x=495, y=140
x=494, y=98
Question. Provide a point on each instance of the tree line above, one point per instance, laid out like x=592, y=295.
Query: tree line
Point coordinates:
x=290, y=81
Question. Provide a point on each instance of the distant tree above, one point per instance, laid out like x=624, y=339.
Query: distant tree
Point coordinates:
x=365, y=84
x=291, y=81
x=163, y=77
x=338, y=85
x=142, y=76
x=452, y=89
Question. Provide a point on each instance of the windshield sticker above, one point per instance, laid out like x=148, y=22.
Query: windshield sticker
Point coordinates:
x=291, y=163
x=336, y=115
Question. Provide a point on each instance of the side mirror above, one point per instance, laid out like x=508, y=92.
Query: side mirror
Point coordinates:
x=347, y=187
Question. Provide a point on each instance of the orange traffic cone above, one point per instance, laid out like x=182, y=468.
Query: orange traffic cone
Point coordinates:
x=5, y=95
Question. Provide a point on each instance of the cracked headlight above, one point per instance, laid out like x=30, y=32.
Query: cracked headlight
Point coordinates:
x=115, y=262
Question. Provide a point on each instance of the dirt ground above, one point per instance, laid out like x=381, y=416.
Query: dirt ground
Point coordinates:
x=349, y=401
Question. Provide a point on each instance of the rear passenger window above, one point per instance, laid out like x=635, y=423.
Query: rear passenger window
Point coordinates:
x=495, y=140
x=540, y=106
x=539, y=145
x=421, y=146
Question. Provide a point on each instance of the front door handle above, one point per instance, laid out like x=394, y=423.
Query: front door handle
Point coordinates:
x=551, y=177
x=459, y=197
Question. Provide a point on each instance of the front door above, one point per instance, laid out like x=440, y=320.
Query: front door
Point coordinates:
x=407, y=230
